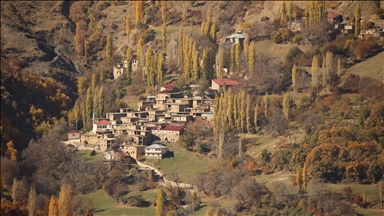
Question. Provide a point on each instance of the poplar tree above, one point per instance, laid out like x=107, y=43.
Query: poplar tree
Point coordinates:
x=184, y=13
x=246, y=45
x=251, y=57
x=76, y=112
x=148, y=67
x=46, y=207
x=232, y=60
x=357, y=19
x=266, y=104
x=235, y=110
x=139, y=11
x=164, y=11
x=109, y=48
x=230, y=109
x=314, y=71
x=286, y=105
x=195, y=64
x=93, y=83
x=79, y=40
x=305, y=178
x=160, y=68
x=101, y=102
x=237, y=54
x=32, y=201
x=163, y=34
x=242, y=111
x=213, y=32
x=180, y=46
x=65, y=199
x=160, y=202
x=294, y=77
x=299, y=180
x=140, y=55
x=306, y=23
x=129, y=58
x=220, y=62
x=128, y=25
x=248, y=113
x=338, y=66
x=95, y=106
x=53, y=207
x=88, y=105
x=207, y=64
x=256, y=115
x=329, y=70
x=324, y=72
x=208, y=212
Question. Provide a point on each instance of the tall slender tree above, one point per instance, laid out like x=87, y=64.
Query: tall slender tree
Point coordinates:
x=248, y=114
x=53, y=207
x=160, y=202
x=266, y=104
x=32, y=208
x=251, y=57
x=357, y=19
x=314, y=71
x=286, y=107
x=294, y=77
x=128, y=25
x=305, y=177
x=65, y=200
x=109, y=48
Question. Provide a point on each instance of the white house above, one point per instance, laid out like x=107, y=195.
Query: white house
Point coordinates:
x=101, y=126
x=156, y=151
x=74, y=134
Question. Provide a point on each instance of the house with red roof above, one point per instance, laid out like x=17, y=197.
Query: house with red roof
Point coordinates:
x=217, y=83
x=334, y=18
x=100, y=126
x=167, y=132
x=74, y=134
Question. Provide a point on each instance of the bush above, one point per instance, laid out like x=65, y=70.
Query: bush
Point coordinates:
x=136, y=201
x=143, y=187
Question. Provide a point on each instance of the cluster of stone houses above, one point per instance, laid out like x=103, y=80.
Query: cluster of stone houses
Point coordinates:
x=161, y=117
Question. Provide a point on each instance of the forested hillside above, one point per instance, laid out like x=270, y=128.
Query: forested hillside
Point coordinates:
x=308, y=108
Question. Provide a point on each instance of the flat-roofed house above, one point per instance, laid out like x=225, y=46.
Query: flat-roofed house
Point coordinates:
x=74, y=134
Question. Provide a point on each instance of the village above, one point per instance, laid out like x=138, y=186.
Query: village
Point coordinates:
x=159, y=119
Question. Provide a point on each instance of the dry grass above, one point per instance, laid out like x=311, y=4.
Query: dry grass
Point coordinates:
x=372, y=67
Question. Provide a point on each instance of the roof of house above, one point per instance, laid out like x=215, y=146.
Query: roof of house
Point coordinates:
x=168, y=127
x=157, y=146
x=228, y=82
x=73, y=132
x=170, y=85
x=237, y=35
x=102, y=122
x=333, y=15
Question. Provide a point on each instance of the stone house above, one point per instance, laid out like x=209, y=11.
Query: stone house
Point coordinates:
x=74, y=134
x=135, y=150
x=235, y=39
x=167, y=132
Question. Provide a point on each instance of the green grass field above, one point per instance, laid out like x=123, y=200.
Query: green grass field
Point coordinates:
x=85, y=155
x=370, y=191
x=372, y=67
x=185, y=163
x=106, y=205
x=278, y=50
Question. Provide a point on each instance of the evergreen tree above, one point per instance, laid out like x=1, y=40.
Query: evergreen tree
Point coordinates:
x=32, y=208
x=294, y=77
x=314, y=71
x=357, y=19
x=109, y=49
x=53, y=207
x=64, y=201
x=160, y=202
